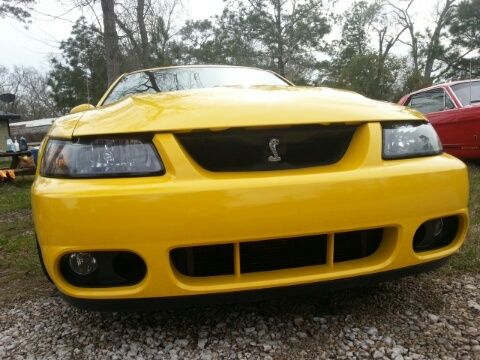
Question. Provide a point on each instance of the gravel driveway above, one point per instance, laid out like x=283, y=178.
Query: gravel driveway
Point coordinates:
x=424, y=317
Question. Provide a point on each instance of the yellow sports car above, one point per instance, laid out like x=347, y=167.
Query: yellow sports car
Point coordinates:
x=198, y=183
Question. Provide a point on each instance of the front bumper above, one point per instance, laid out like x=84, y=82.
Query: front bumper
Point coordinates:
x=189, y=206
x=152, y=304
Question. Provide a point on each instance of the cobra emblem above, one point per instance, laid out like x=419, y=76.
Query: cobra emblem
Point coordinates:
x=273, y=143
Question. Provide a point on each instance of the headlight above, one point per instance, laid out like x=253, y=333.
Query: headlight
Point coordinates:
x=101, y=157
x=404, y=140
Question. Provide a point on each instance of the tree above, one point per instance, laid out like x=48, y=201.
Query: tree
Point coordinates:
x=148, y=30
x=362, y=60
x=32, y=93
x=464, y=25
x=110, y=41
x=355, y=38
x=362, y=72
x=79, y=75
x=427, y=50
x=200, y=43
x=281, y=35
x=464, y=30
x=287, y=31
x=18, y=9
x=355, y=30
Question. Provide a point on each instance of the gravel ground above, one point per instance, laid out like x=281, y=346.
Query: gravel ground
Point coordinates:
x=426, y=317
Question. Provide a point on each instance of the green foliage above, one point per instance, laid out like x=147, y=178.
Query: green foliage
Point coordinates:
x=79, y=74
x=363, y=74
x=286, y=36
x=275, y=34
x=356, y=65
x=355, y=36
x=465, y=24
x=414, y=81
x=202, y=42
x=18, y=9
x=464, y=31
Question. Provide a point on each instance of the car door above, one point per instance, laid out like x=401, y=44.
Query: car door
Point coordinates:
x=468, y=116
x=441, y=111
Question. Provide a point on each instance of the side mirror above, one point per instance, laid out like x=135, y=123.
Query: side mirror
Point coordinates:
x=82, y=107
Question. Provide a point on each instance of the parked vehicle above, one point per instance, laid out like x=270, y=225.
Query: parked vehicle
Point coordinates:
x=454, y=111
x=200, y=183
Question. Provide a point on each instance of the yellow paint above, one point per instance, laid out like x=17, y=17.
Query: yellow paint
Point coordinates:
x=221, y=108
x=191, y=206
x=81, y=107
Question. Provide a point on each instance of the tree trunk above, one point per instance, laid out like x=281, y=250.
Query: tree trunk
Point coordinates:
x=143, y=33
x=414, y=46
x=278, y=25
x=433, y=46
x=110, y=40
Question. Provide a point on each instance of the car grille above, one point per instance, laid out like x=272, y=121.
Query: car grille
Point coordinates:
x=267, y=255
x=268, y=149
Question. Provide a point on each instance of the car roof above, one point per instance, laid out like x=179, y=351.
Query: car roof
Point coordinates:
x=442, y=85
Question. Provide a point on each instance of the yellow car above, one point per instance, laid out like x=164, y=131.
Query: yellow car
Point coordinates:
x=206, y=183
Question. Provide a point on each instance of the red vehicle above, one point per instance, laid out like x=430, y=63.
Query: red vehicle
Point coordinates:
x=454, y=111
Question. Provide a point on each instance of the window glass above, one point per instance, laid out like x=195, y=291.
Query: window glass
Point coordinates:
x=174, y=79
x=468, y=93
x=448, y=102
x=427, y=102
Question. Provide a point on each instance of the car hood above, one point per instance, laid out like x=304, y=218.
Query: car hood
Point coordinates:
x=221, y=108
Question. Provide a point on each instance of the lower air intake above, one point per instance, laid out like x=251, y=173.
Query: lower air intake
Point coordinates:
x=277, y=254
x=283, y=253
x=354, y=245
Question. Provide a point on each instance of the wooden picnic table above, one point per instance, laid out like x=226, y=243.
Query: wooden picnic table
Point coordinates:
x=15, y=160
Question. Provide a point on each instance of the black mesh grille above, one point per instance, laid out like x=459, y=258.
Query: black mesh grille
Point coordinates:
x=255, y=149
x=204, y=260
x=283, y=254
x=356, y=244
x=267, y=255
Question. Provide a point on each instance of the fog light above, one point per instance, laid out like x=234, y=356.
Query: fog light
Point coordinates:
x=82, y=263
x=436, y=226
x=436, y=233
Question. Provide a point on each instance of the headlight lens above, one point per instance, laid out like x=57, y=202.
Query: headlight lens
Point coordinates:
x=101, y=157
x=404, y=140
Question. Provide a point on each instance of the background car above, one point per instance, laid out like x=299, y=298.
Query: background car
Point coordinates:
x=454, y=111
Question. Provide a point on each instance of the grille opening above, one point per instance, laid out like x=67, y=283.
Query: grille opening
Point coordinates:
x=266, y=255
x=115, y=268
x=283, y=253
x=129, y=266
x=207, y=260
x=435, y=234
x=356, y=244
x=243, y=149
x=277, y=254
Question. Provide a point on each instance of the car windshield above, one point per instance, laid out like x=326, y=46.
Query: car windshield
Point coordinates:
x=468, y=93
x=173, y=79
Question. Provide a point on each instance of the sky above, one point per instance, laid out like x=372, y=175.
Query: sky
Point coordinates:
x=52, y=22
